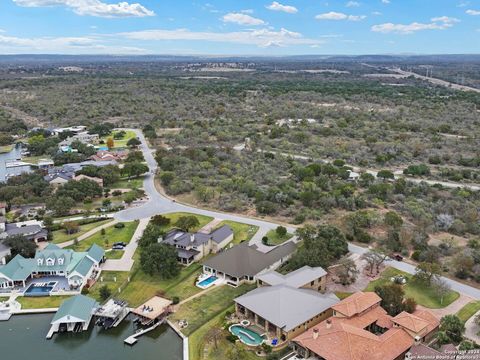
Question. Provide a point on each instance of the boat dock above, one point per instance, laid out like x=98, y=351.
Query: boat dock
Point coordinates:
x=112, y=313
x=132, y=340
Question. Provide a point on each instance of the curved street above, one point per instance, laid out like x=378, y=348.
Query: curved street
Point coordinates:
x=160, y=204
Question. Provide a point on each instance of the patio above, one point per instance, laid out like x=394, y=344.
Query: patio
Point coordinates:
x=61, y=285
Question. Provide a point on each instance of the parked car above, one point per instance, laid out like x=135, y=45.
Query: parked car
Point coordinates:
x=121, y=243
x=118, y=247
x=397, y=257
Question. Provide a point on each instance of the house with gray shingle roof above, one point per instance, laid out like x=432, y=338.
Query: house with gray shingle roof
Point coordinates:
x=76, y=267
x=244, y=263
x=287, y=305
x=193, y=247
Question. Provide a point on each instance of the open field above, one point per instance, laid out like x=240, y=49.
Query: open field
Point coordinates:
x=423, y=295
x=112, y=235
x=60, y=236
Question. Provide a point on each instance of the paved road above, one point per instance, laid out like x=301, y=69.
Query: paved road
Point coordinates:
x=126, y=262
x=397, y=173
x=161, y=204
x=455, y=285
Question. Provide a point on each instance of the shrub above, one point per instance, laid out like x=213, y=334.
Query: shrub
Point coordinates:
x=175, y=300
x=119, y=226
x=232, y=338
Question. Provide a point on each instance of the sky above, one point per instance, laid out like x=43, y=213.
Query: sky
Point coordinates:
x=241, y=27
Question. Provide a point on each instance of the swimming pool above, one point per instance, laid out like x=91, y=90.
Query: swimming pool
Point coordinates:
x=36, y=290
x=247, y=336
x=205, y=283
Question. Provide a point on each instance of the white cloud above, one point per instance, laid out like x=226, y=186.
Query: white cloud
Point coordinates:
x=376, y=13
x=242, y=19
x=93, y=7
x=332, y=15
x=385, y=1
x=438, y=23
x=62, y=45
x=445, y=19
x=352, y=4
x=473, y=12
x=261, y=38
x=276, y=6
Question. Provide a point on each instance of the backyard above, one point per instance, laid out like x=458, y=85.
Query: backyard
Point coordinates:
x=42, y=302
x=423, y=295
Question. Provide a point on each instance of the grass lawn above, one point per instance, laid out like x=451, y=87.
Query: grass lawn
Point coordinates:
x=121, y=143
x=60, y=236
x=423, y=295
x=202, y=219
x=203, y=309
x=112, y=235
x=128, y=184
x=142, y=286
x=469, y=310
x=6, y=148
x=109, y=278
x=42, y=302
x=241, y=231
x=342, y=295
x=275, y=239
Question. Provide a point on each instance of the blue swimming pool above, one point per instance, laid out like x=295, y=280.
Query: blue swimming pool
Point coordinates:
x=246, y=335
x=39, y=290
x=208, y=281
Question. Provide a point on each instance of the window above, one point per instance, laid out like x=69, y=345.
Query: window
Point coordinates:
x=50, y=262
x=60, y=261
x=39, y=262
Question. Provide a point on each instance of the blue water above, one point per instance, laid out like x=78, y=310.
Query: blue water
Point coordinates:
x=247, y=336
x=207, y=281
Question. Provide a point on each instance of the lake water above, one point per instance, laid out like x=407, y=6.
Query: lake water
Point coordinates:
x=15, y=154
x=23, y=338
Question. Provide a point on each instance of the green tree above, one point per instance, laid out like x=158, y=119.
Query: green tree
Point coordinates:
x=133, y=142
x=427, y=272
x=187, y=222
x=134, y=169
x=160, y=259
x=20, y=245
x=105, y=292
x=393, y=219
x=453, y=327
x=160, y=220
x=385, y=174
x=281, y=231
x=392, y=298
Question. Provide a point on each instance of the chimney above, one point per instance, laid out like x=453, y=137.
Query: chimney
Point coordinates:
x=315, y=334
x=329, y=323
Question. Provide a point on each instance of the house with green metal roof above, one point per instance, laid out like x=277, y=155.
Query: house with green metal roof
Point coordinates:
x=76, y=267
x=74, y=314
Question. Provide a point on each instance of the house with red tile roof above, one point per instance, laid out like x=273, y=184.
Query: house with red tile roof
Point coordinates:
x=360, y=329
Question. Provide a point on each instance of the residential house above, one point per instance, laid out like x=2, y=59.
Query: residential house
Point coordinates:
x=287, y=305
x=97, y=180
x=57, y=179
x=361, y=329
x=104, y=155
x=76, y=267
x=83, y=137
x=71, y=129
x=243, y=263
x=31, y=229
x=193, y=247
